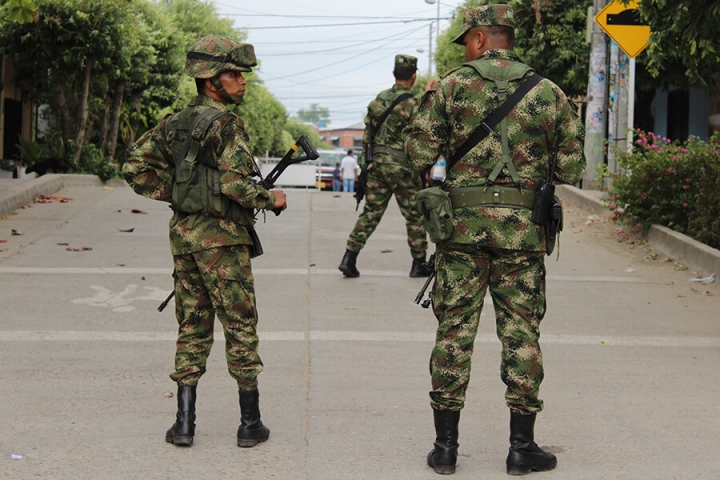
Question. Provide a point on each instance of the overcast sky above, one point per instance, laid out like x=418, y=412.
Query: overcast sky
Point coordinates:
x=336, y=53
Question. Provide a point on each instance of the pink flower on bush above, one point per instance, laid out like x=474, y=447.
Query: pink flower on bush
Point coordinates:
x=670, y=170
x=685, y=205
x=685, y=187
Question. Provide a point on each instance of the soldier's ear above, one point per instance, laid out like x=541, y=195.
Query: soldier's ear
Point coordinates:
x=209, y=87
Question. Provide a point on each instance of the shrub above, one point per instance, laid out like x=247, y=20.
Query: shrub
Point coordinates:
x=670, y=184
x=93, y=161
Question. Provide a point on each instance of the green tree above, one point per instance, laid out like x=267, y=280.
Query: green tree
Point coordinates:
x=71, y=40
x=315, y=114
x=296, y=128
x=683, y=47
x=18, y=11
x=550, y=37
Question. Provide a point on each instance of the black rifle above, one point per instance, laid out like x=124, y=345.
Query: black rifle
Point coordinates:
x=309, y=153
x=429, y=264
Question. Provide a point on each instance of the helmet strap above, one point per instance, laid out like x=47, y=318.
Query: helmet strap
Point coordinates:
x=234, y=99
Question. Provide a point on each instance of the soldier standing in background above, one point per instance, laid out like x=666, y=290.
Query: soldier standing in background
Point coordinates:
x=388, y=173
x=492, y=245
x=209, y=183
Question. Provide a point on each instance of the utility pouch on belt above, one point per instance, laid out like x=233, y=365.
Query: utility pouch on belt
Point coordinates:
x=436, y=209
x=547, y=209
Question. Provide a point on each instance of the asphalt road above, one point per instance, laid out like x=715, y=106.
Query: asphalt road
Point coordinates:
x=631, y=347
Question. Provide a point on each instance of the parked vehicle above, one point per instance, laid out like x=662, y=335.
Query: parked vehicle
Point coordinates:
x=326, y=164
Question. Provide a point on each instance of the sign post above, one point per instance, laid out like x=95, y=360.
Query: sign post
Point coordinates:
x=623, y=24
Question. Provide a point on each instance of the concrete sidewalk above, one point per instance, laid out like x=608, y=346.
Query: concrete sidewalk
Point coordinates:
x=631, y=350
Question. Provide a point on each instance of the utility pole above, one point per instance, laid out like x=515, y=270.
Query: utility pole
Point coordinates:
x=596, y=116
x=618, y=105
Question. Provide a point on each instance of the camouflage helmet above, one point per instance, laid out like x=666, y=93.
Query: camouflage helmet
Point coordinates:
x=214, y=54
x=487, y=15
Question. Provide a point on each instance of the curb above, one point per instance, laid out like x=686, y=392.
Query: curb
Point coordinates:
x=698, y=256
x=26, y=191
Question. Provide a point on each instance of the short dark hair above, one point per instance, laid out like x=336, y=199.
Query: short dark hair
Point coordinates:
x=500, y=33
x=403, y=73
x=350, y=152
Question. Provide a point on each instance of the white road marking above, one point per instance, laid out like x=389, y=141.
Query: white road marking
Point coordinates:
x=345, y=336
x=120, y=302
x=288, y=271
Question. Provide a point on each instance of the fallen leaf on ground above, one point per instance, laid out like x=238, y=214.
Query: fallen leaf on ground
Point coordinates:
x=135, y=210
x=3, y=249
x=86, y=248
x=119, y=264
x=129, y=230
x=387, y=250
x=118, y=211
x=5, y=217
x=107, y=188
x=351, y=308
x=16, y=232
x=169, y=394
x=51, y=199
x=3, y=241
x=72, y=249
x=630, y=270
x=708, y=293
x=312, y=264
x=63, y=243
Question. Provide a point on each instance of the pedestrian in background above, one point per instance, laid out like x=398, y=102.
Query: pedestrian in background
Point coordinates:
x=337, y=178
x=387, y=171
x=211, y=230
x=350, y=170
x=494, y=244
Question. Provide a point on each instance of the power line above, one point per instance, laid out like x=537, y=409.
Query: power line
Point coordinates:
x=342, y=24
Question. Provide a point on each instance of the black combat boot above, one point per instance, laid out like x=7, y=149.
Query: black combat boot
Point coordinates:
x=183, y=431
x=443, y=457
x=347, y=265
x=420, y=268
x=251, y=430
x=525, y=456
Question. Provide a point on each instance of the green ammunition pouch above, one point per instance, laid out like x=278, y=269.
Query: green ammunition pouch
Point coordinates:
x=436, y=208
x=196, y=188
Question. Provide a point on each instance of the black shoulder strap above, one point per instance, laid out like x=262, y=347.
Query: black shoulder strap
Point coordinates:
x=493, y=119
x=387, y=112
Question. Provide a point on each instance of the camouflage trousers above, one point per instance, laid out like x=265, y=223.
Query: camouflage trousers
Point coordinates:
x=383, y=181
x=217, y=280
x=517, y=285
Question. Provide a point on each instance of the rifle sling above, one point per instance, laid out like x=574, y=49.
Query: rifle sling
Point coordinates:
x=493, y=119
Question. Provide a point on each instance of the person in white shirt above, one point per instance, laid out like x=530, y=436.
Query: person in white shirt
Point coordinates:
x=350, y=169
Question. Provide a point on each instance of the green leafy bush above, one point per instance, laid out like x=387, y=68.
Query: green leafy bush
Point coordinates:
x=93, y=161
x=671, y=184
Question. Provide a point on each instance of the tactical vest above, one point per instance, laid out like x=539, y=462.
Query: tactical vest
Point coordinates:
x=196, y=186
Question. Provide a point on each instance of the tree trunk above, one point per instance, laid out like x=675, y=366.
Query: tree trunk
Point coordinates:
x=103, y=127
x=65, y=119
x=111, y=141
x=135, y=106
x=83, y=112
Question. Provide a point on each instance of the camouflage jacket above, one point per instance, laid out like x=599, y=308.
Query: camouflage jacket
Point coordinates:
x=150, y=168
x=390, y=132
x=452, y=111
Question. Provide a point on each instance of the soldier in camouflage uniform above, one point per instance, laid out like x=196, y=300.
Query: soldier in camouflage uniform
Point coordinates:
x=210, y=245
x=388, y=172
x=493, y=246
